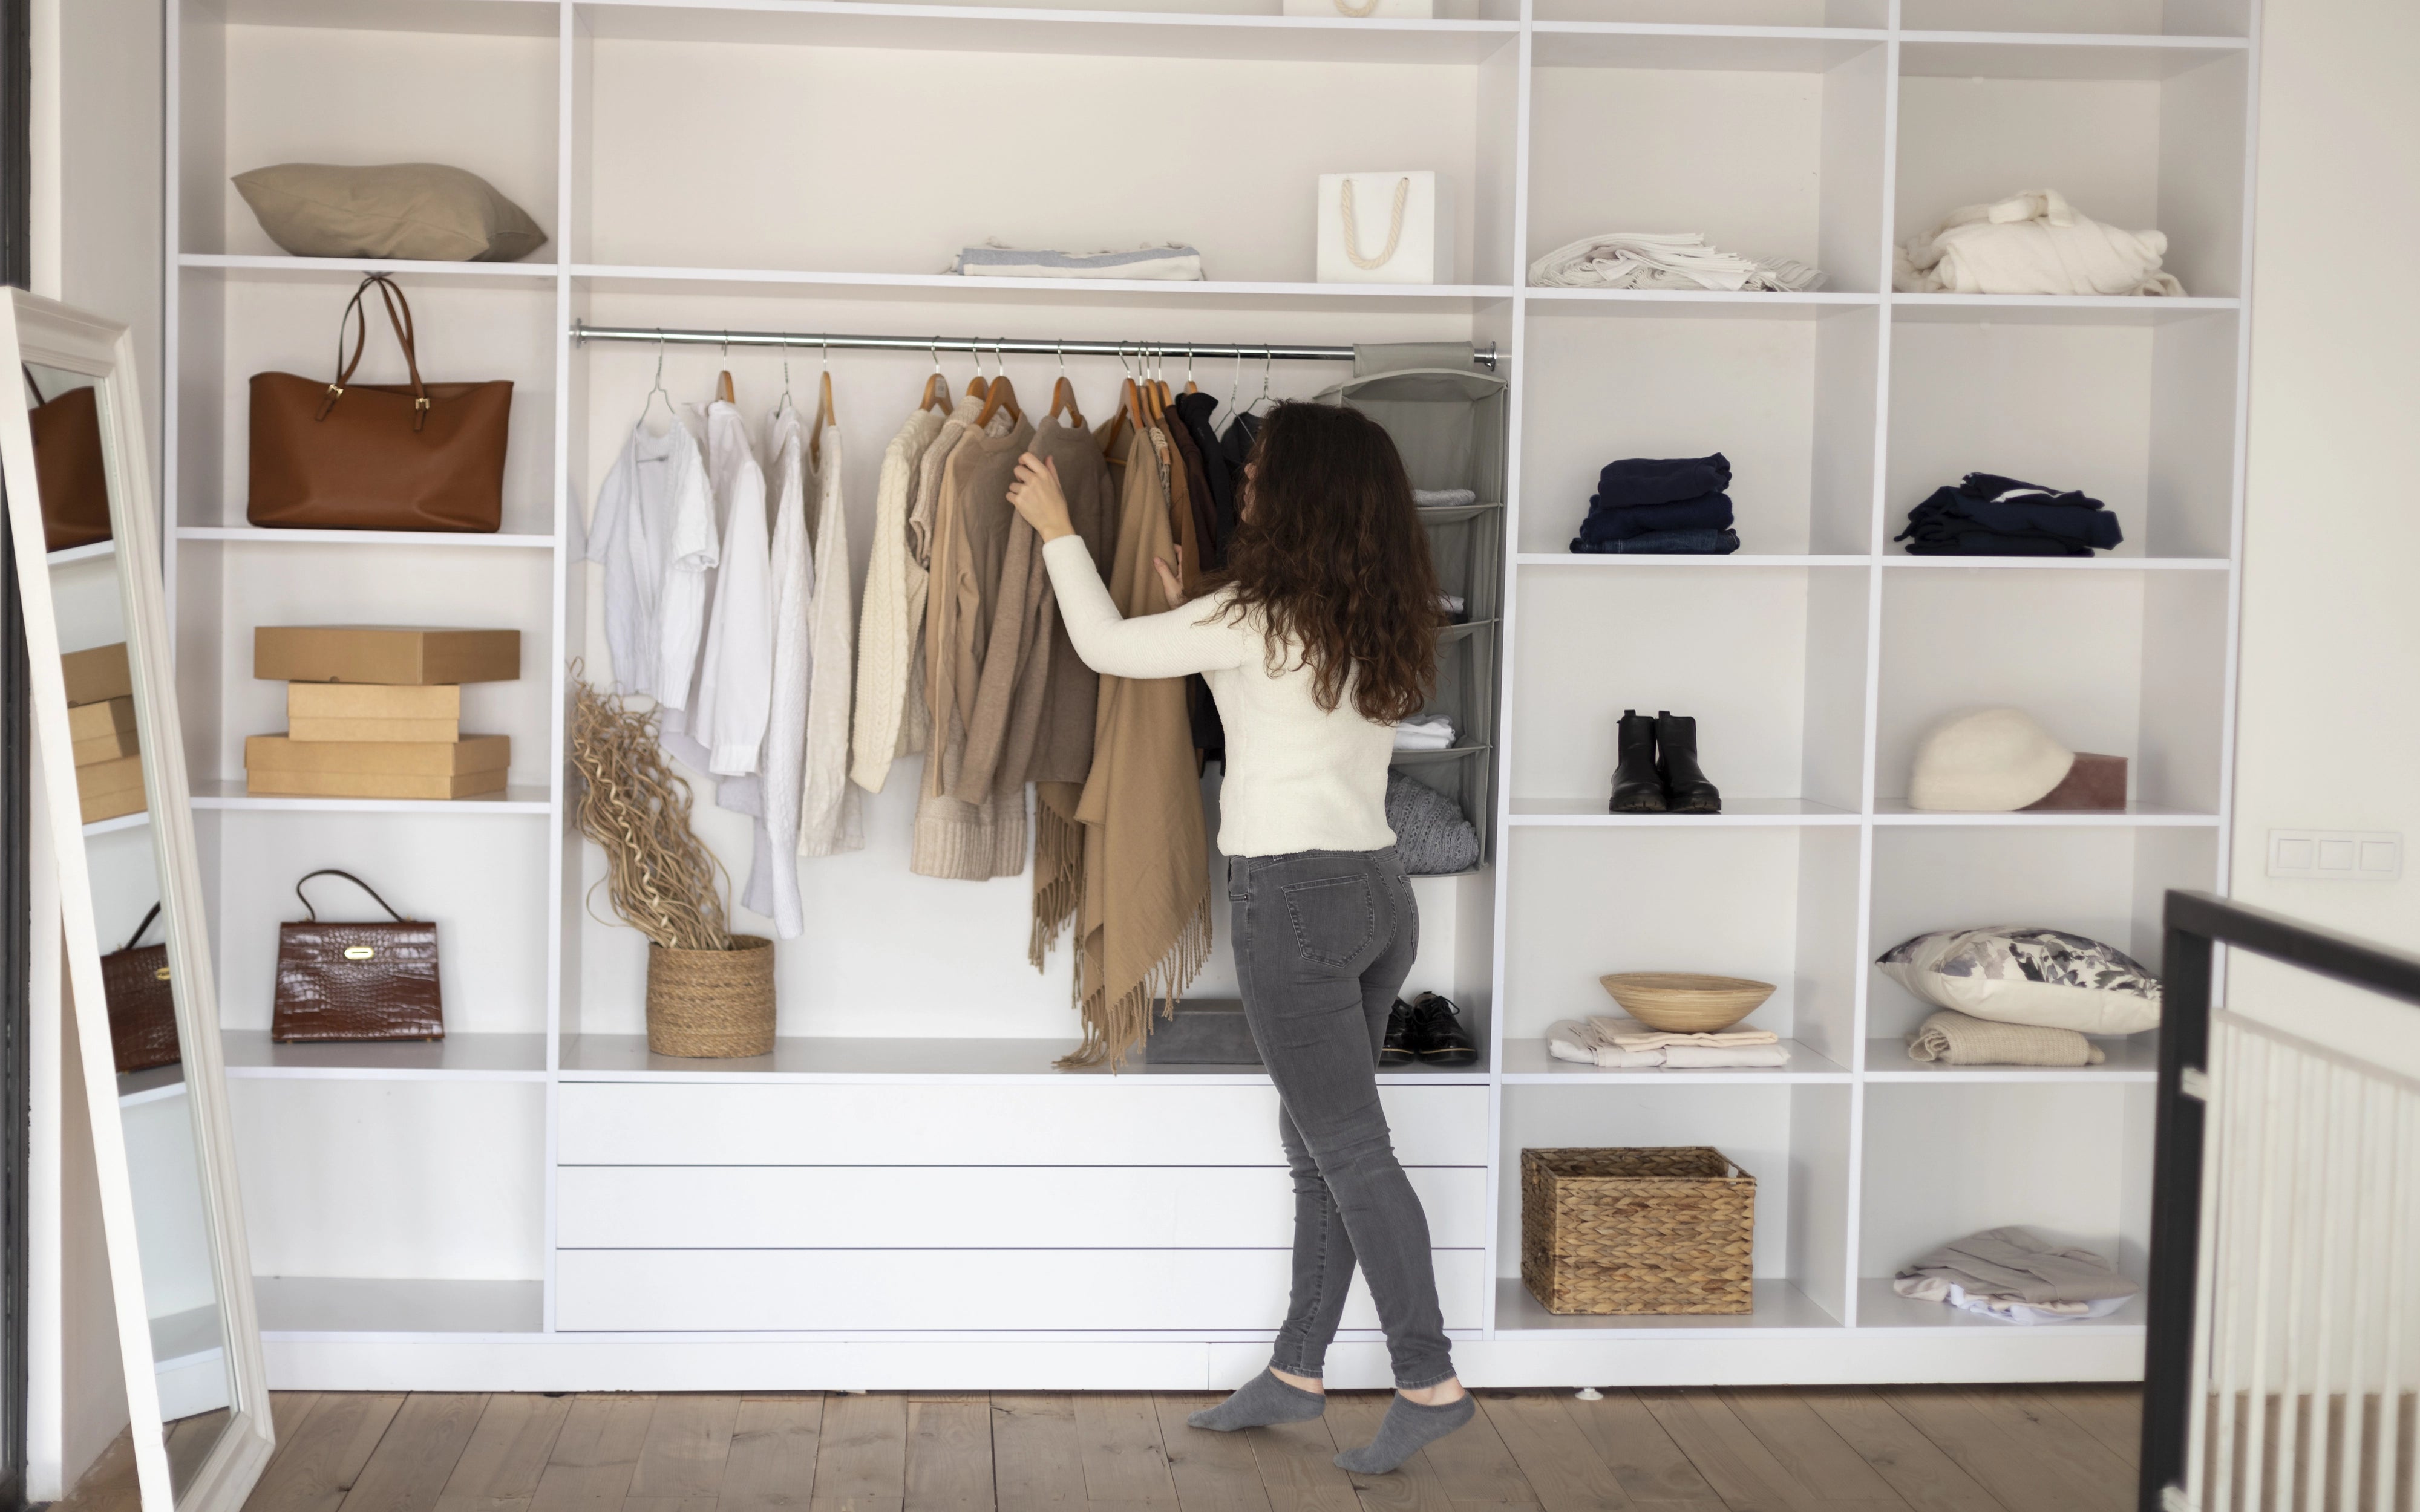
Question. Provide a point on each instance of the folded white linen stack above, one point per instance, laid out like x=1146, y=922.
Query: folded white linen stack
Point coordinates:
x=2031, y=243
x=1425, y=731
x=1442, y=498
x=2010, y=1274
x=1667, y=260
x=1611, y=1042
x=1172, y=263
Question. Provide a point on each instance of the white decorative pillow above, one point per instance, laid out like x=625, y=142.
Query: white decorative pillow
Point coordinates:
x=2018, y=975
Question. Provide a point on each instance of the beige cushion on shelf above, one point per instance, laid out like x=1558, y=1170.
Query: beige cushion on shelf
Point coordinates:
x=422, y=212
x=1988, y=761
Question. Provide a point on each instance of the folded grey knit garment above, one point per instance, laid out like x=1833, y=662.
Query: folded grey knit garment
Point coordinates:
x=1431, y=835
x=1956, y=1039
x=2011, y=1263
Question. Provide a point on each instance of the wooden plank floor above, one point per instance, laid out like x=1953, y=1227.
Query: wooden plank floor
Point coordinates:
x=1896, y=1449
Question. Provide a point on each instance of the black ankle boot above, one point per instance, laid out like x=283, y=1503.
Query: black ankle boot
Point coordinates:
x=1685, y=787
x=1637, y=789
x=1397, y=1048
x=1437, y=1033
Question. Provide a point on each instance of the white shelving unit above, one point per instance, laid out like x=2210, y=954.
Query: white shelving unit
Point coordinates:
x=520, y=1207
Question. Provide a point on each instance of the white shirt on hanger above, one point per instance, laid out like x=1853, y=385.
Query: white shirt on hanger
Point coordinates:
x=830, y=814
x=725, y=720
x=654, y=533
x=772, y=795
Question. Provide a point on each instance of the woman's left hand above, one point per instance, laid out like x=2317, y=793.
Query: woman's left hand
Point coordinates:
x=1037, y=498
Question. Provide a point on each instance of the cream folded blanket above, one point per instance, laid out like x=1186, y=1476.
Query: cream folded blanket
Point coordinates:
x=1595, y=1043
x=1956, y=1039
x=2031, y=243
x=1665, y=259
x=2010, y=1274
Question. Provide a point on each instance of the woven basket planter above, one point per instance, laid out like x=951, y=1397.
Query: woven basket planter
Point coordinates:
x=711, y=1002
x=1666, y=1231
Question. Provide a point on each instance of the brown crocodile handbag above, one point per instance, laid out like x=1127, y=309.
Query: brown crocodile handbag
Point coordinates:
x=142, y=1008
x=378, y=457
x=356, y=982
x=69, y=471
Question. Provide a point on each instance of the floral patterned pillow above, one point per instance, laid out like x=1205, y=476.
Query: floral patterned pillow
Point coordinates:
x=2017, y=974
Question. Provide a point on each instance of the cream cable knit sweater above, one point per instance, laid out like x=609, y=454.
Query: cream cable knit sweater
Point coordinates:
x=893, y=623
x=1300, y=778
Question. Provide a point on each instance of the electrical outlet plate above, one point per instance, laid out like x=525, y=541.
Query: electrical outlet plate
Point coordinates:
x=2338, y=854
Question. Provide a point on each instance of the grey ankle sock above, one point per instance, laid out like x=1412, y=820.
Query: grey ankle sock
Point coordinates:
x=1260, y=1402
x=1409, y=1427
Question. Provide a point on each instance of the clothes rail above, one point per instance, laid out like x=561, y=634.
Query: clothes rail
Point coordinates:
x=583, y=333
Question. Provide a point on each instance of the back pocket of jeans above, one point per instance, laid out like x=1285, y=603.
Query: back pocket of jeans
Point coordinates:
x=1333, y=917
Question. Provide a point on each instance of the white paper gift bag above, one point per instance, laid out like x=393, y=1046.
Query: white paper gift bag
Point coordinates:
x=1387, y=10
x=1385, y=228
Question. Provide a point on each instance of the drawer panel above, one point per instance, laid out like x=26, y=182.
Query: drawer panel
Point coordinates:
x=1059, y=1206
x=745, y=1290
x=1083, y=1120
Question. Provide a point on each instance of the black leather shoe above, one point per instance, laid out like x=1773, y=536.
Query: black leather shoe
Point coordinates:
x=1396, y=1050
x=1685, y=787
x=1438, y=1036
x=1636, y=788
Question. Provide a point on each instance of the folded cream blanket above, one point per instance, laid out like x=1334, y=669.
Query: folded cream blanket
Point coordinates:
x=1605, y=1042
x=2031, y=243
x=2011, y=1275
x=1956, y=1039
x=1665, y=259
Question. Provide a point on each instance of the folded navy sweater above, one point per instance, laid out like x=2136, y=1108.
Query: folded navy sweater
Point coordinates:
x=1646, y=480
x=1708, y=512
x=2072, y=521
x=1666, y=543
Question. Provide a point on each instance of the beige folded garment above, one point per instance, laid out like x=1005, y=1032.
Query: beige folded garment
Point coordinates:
x=1631, y=1035
x=1590, y=1044
x=1956, y=1039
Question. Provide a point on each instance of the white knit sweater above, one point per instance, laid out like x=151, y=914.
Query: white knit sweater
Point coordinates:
x=1300, y=778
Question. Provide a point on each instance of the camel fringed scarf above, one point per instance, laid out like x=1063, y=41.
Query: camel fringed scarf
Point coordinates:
x=1142, y=923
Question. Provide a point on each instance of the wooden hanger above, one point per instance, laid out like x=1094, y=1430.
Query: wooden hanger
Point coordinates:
x=723, y=390
x=1062, y=398
x=937, y=388
x=824, y=416
x=977, y=386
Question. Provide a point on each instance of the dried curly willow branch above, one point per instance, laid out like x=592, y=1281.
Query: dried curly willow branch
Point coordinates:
x=662, y=881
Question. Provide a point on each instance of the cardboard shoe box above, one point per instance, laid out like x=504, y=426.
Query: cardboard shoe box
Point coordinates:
x=97, y=675
x=373, y=712
x=107, y=790
x=394, y=654
x=466, y=769
x=103, y=731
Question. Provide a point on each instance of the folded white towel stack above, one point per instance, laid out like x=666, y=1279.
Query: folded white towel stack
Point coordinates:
x=1425, y=731
x=1614, y=1043
x=1665, y=259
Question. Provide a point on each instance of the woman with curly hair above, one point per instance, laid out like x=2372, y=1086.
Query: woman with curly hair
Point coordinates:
x=1317, y=638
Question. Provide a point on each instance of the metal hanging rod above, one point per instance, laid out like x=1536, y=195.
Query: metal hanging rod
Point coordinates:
x=582, y=331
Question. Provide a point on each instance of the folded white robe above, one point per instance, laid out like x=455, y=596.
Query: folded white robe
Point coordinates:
x=2031, y=243
x=1665, y=259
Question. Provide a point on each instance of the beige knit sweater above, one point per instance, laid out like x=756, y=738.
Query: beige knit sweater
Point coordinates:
x=892, y=625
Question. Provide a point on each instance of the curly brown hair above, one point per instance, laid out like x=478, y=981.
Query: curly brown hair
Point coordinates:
x=1331, y=553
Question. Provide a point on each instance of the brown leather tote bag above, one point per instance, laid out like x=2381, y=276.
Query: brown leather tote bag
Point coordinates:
x=141, y=1007
x=378, y=457
x=68, y=468
x=356, y=982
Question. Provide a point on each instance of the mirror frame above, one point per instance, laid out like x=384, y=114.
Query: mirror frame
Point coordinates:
x=38, y=330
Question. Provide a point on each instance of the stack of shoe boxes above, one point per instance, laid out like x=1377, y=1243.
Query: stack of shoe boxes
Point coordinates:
x=375, y=712
x=100, y=722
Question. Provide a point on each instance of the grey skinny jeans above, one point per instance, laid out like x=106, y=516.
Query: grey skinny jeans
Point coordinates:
x=1323, y=941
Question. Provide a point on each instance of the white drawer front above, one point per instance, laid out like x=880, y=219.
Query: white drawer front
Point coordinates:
x=1055, y=1207
x=1084, y=1120
x=784, y=1291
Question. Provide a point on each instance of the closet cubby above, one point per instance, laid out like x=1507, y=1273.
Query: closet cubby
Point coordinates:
x=1946, y=1161
x=2101, y=881
x=2132, y=405
x=710, y=165
x=1768, y=659
x=387, y=1204
x=1768, y=147
x=1793, y=1140
x=466, y=83
x=1785, y=392
x=2117, y=662
x=1765, y=902
x=2148, y=137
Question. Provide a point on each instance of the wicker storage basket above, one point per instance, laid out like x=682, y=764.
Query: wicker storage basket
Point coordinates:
x=1668, y=1230
x=711, y=1002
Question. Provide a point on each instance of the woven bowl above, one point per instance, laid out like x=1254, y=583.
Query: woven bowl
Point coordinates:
x=1686, y=1002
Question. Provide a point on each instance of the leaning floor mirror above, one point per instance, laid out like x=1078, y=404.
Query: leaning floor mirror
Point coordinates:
x=109, y=782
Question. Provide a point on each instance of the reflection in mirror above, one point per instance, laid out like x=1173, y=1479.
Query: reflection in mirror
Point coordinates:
x=108, y=725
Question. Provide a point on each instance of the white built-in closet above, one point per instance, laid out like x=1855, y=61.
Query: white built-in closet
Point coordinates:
x=909, y=1195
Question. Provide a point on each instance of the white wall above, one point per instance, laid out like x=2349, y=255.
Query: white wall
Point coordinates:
x=2329, y=717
